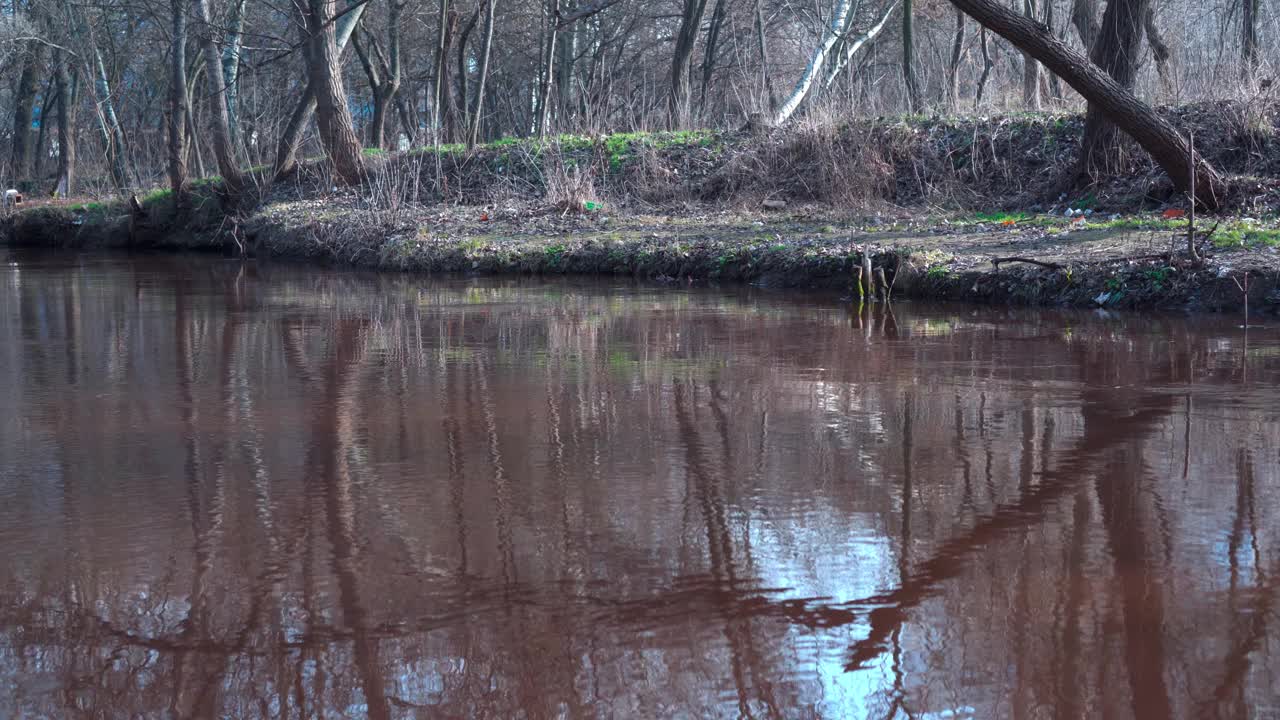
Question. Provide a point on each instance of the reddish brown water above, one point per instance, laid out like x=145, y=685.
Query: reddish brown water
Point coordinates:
x=232, y=491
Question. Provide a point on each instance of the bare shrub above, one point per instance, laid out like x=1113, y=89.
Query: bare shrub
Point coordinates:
x=392, y=186
x=648, y=177
x=568, y=185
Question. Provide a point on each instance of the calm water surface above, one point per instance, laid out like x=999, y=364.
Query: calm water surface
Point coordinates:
x=277, y=492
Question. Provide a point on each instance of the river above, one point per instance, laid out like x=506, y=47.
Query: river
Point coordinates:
x=265, y=490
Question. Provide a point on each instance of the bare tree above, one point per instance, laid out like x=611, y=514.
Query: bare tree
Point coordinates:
x=839, y=22
x=337, y=131
x=178, y=94
x=383, y=68
x=291, y=140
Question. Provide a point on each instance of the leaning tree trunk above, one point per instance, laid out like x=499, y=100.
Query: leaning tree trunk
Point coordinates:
x=1155, y=134
x=852, y=44
x=839, y=25
x=1117, y=50
x=109, y=122
x=178, y=105
x=224, y=147
x=291, y=139
x=333, y=117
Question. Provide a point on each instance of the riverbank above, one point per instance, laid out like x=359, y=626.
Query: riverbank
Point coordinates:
x=794, y=208
x=1112, y=262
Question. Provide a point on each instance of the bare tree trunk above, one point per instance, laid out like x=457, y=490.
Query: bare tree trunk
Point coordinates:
x=383, y=71
x=1030, y=68
x=374, y=75
x=709, y=52
x=224, y=148
x=839, y=25
x=463, y=122
x=24, y=108
x=987, y=65
x=1160, y=51
x=64, y=186
x=1249, y=40
x=908, y=55
x=1155, y=134
x=291, y=139
x=548, y=67
x=1055, y=82
x=852, y=44
x=178, y=105
x=231, y=65
x=193, y=111
x=437, y=97
x=112, y=133
x=333, y=117
x=1116, y=51
x=764, y=56
x=48, y=101
x=565, y=64
x=686, y=37
x=953, y=67
x=1084, y=15
x=389, y=89
x=477, y=118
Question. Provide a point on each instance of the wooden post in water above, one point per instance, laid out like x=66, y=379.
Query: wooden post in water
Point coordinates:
x=882, y=285
x=867, y=281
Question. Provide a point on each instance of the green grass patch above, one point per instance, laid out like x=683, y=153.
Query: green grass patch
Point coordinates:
x=1247, y=235
x=1000, y=217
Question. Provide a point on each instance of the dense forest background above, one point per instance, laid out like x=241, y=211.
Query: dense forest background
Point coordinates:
x=91, y=87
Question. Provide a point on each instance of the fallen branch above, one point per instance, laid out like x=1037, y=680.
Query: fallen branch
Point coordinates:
x=998, y=261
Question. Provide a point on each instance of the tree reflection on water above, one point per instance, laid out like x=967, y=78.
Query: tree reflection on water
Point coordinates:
x=272, y=492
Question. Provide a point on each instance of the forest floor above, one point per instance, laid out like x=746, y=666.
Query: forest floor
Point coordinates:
x=947, y=208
